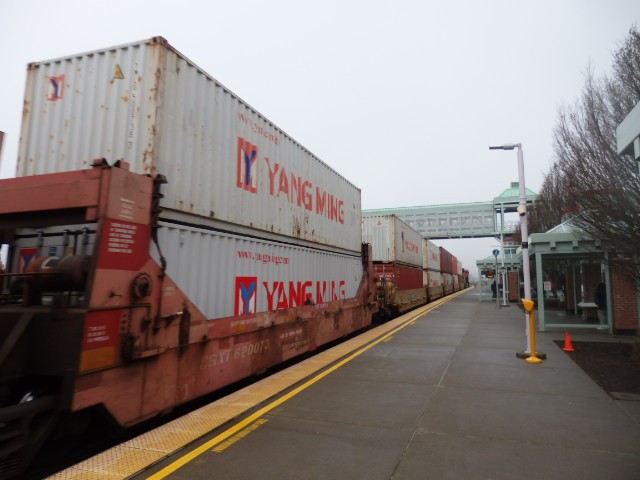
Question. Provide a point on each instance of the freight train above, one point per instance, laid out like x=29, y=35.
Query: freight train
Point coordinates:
x=127, y=293
x=409, y=270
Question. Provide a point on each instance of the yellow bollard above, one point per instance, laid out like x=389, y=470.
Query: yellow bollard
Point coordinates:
x=528, y=306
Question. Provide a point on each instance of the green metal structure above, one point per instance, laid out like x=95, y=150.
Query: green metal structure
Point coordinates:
x=462, y=220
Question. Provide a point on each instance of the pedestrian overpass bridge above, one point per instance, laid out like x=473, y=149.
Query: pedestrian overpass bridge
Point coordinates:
x=462, y=220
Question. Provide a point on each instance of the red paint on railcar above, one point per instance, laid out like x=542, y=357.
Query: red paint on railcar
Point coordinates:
x=127, y=337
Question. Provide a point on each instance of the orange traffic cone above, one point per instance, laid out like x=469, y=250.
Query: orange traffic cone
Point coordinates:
x=568, y=346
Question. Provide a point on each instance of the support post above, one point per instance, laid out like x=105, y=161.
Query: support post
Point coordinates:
x=528, y=306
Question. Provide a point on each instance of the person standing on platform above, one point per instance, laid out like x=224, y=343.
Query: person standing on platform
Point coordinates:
x=601, y=302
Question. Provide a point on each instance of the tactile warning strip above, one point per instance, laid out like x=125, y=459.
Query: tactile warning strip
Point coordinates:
x=130, y=457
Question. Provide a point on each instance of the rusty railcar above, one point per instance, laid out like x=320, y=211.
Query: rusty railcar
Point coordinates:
x=93, y=323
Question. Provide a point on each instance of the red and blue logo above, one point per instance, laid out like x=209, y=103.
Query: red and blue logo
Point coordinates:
x=246, y=294
x=247, y=165
x=56, y=88
x=25, y=256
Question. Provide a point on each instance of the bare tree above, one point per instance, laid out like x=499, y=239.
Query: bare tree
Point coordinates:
x=589, y=180
x=551, y=205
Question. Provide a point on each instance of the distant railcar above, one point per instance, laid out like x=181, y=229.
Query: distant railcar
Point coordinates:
x=398, y=260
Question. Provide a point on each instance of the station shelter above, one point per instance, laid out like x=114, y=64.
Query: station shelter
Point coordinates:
x=577, y=284
x=506, y=270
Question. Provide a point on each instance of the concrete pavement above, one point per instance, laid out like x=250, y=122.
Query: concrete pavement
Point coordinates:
x=443, y=398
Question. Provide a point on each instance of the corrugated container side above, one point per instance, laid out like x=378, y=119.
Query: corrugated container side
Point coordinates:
x=435, y=287
x=392, y=240
x=378, y=231
x=49, y=241
x=431, y=253
x=445, y=260
x=458, y=268
x=148, y=105
x=226, y=275
x=454, y=264
x=447, y=281
x=403, y=276
x=434, y=278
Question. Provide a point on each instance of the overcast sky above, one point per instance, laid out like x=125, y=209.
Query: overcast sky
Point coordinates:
x=402, y=98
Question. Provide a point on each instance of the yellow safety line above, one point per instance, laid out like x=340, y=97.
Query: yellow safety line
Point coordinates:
x=255, y=416
x=239, y=436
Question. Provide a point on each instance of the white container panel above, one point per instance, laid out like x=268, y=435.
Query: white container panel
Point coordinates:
x=447, y=279
x=226, y=275
x=378, y=232
x=148, y=105
x=431, y=255
x=408, y=244
x=434, y=278
x=392, y=240
x=57, y=241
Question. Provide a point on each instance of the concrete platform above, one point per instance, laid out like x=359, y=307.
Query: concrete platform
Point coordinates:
x=437, y=394
x=443, y=398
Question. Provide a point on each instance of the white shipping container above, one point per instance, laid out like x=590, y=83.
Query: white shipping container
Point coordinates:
x=434, y=278
x=227, y=275
x=31, y=243
x=392, y=240
x=458, y=268
x=431, y=255
x=147, y=104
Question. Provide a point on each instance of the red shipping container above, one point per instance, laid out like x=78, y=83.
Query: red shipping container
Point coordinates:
x=403, y=277
x=445, y=261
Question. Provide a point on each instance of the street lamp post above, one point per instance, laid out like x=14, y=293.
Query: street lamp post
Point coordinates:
x=496, y=278
x=522, y=211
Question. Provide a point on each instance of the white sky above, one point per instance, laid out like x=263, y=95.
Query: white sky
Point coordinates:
x=401, y=97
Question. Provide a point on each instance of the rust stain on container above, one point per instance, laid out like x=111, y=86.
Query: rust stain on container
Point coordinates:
x=25, y=110
x=296, y=227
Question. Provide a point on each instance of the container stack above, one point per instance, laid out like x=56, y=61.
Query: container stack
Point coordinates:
x=245, y=206
x=432, y=274
x=398, y=259
x=445, y=268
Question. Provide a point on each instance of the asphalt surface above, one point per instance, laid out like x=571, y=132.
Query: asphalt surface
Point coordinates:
x=443, y=398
